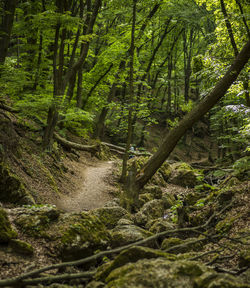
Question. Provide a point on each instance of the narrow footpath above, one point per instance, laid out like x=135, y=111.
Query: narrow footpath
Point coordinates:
x=94, y=191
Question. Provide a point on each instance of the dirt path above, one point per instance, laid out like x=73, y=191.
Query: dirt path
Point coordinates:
x=92, y=191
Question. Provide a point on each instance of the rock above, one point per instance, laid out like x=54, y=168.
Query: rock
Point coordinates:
x=168, y=200
x=144, y=198
x=113, y=203
x=35, y=220
x=95, y=284
x=184, y=175
x=84, y=236
x=6, y=231
x=187, y=245
x=126, y=234
x=110, y=216
x=21, y=247
x=159, y=225
x=154, y=190
x=131, y=255
x=165, y=171
x=158, y=272
x=244, y=260
x=151, y=210
x=163, y=273
x=12, y=189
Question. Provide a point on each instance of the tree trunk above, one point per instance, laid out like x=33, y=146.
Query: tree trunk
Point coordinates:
x=172, y=138
x=131, y=96
x=6, y=27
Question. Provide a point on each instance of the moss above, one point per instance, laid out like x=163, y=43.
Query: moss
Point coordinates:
x=110, y=216
x=225, y=225
x=6, y=231
x=36, y=220
x=84, y=237
x=244, y=260
x=21, y=247
x=12, y=189
x=144, y=198
x=170, y=242
x=131, y=255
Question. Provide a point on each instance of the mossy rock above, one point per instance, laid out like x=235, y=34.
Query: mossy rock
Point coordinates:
x=159, y=225
x=154, y=190
x=110, y=216
x=225, y=225
x=192, y=197
x=12, y=189
x=21, y=247
x=166, y=171
x=183, y=175
x=95, y=284
x=6, y=231
x=83, y=237
x=144, y=198
x=131, y=255
x=126, y=234
x=151, y=210
x=34, y=221
x=244, y=259
x=158, y=272
x=187, y=245
x=168, y=200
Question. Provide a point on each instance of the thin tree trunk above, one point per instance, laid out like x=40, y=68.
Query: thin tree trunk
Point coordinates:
x=6, y=27
x=131, y=95
x=172, y=138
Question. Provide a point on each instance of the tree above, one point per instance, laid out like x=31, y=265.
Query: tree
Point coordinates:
x=172, y=138
x=7, y=9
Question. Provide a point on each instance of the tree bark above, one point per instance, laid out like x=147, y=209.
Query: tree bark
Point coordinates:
x=172, y=138
x=6, y=27
x=131, y=96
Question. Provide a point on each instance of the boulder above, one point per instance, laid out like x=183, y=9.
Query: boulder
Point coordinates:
x=183, y=175
x=12, y=189
x=83, y=237
x=187, y=245
x=160, y=225
x=110, y=216
x=161, y=272
x=154, y=190
x=6, y=231
x=21, y=247
x=35, y=221
x=131, y=255
x=124, y=234
x=151, y=210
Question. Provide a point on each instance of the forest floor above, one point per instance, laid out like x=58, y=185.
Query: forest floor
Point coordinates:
x=93, y=188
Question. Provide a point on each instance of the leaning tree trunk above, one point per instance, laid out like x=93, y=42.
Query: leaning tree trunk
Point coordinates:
x=172, y=138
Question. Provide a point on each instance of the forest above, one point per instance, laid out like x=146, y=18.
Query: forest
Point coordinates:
x=124, y=143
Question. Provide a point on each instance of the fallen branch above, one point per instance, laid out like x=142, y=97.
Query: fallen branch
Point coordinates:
x=73, y=145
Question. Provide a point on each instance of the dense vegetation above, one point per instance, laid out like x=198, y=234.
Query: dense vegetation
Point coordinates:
x=67, y=64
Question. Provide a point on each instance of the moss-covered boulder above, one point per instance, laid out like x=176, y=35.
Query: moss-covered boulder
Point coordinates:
x=6, y=231
x=151, y=210
x=158, y=272
x=110, y=216
x=12, y=189
x=159, y=225
x=21, y=247
x=154, y=190
x=86, y=235
x=161, y=272
x=35, y=221
x=127, y=233
x=131, y=255
x=244, y=260
x=184, y=246
x=183, y=175
x=168, y=200
x=144, y=198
